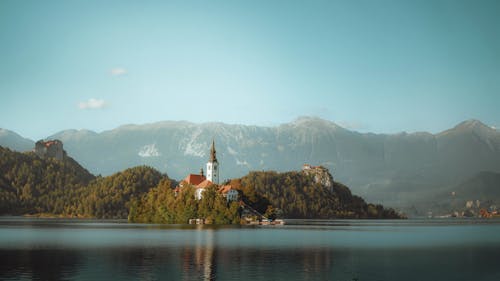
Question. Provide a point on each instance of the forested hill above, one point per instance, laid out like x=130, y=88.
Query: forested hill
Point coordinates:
x=29, y=184
x=291, y=195
x=110, y=197
x=32, y=185
x=300, y=195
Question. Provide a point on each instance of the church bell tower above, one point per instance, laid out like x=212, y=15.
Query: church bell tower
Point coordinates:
x=213, y=166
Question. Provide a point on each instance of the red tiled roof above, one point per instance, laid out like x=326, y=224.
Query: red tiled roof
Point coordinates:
x=194, y=179
x=225, y=188
x=204, y=184
x=50, y=143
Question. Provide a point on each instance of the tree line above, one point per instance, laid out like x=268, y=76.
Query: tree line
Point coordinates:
x=298, y=195
x=32, y=185
x=163, y=204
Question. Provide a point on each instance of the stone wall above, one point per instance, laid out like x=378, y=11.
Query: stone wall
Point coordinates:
x=50, y=149
x=321, y=175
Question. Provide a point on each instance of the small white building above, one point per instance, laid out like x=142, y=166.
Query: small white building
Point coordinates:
x=198, y=193
x=229, y=193
x=201, y=187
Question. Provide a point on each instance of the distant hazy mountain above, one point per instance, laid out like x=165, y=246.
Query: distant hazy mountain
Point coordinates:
x=14, y=141
x=430, y=163
x=482, y=190
x=391, y=169
x=483, y=187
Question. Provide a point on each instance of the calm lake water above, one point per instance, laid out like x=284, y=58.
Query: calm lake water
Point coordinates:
x=58, y=249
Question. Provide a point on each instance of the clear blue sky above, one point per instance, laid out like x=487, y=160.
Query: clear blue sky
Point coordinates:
x=379, y=66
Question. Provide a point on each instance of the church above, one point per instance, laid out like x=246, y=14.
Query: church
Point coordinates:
x=202, y=182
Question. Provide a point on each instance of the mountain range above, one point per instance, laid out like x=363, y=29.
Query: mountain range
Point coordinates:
x=393, y=169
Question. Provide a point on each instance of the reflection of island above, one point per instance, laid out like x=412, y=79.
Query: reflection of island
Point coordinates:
x=200, y=260
x=207, y=257
x=205, y=253
x=42, y=264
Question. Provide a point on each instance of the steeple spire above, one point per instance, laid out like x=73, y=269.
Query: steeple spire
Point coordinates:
x=212, y=166
x=213, y=157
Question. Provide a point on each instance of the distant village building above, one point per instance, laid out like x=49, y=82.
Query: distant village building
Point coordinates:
x=201, y=183
x=228, y=192
x=307, y=167
x=50, y=149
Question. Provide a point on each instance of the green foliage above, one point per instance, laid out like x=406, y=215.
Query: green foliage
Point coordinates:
x=297, y=195
x=271, y=212
x=163, y=205
x=31, y=185
x=110, y=197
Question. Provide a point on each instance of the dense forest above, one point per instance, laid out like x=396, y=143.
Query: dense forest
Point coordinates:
x=298, y=195
x=29, y=184
x=32, y=185
x=276, y=195
x=110, y=197
x=163, y=205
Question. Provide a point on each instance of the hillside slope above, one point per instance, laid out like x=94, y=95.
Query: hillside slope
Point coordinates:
x=300, y=195
x=29, y=184
x=14, y=141
x=481, y=191
x=32, y=185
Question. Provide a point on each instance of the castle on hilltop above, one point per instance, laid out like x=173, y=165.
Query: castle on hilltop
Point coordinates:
x=202, y=182
x=50, y=149
x=320, y=175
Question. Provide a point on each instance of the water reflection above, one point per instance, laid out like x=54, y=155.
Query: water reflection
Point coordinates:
x=208, y=259
x=38, y=264
x=200, y=260
x=43, y=252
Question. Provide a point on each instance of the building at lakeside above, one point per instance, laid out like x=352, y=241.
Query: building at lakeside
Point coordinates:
x=202, y=182
x=229, y=192
x=50, y=149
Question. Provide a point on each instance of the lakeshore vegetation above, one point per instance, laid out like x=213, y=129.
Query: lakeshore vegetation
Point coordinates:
x=30, y=185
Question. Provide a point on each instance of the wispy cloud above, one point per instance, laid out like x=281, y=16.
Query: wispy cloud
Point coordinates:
x=92, y=104
x=118, y=71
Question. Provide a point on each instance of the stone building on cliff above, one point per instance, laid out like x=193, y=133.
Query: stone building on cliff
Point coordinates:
x=50, y=149
x=320, y=174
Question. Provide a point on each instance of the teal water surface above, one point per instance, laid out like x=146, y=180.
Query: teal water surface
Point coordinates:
x=61, y=249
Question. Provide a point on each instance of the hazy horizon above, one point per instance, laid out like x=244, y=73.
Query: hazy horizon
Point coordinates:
x=369, y=66
x=269, y=126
